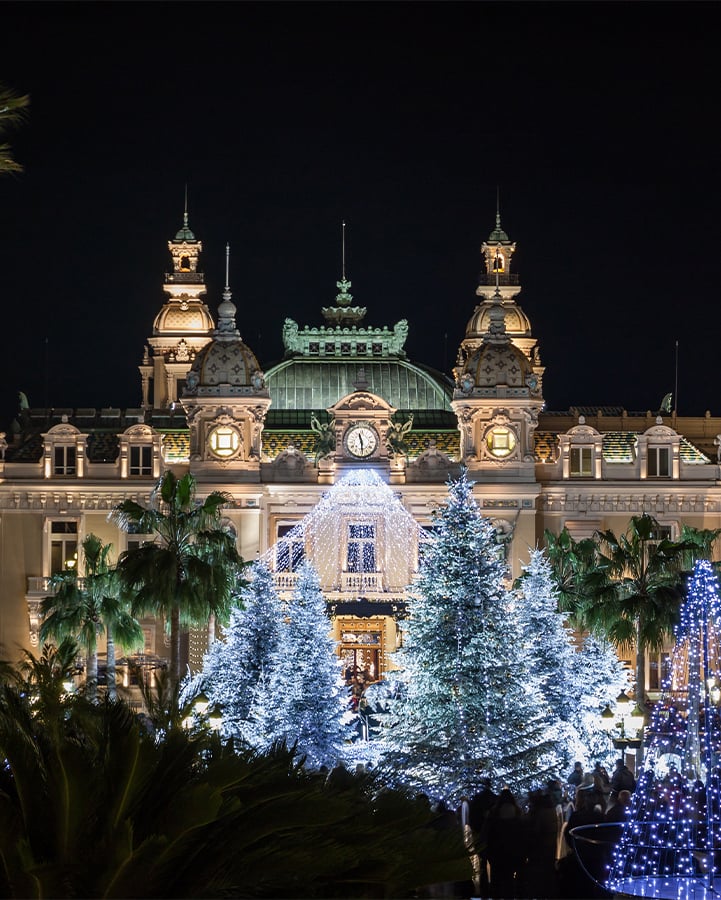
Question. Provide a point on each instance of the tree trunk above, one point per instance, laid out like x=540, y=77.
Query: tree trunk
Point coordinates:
x=640, y=693
x=91, y=674
x=110, y=670
x=175, y=643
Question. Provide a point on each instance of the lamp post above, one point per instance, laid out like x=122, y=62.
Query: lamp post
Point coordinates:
x=624, y=725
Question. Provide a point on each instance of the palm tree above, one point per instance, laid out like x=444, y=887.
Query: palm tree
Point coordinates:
x=633, y=593
x=93, y=806
x=571, y=563
x=13, y=108
x=193, y=569
x=85, y=608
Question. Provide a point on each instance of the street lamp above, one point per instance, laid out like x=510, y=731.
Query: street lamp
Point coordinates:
x=215, y=718
x=624, y=725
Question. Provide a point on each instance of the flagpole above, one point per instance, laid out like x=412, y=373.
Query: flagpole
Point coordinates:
x=675, y=395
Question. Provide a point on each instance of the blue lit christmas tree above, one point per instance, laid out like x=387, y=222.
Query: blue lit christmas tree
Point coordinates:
x=671, y=843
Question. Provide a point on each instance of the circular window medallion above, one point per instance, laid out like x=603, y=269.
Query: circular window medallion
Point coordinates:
x=224, y=441
x=500, y=441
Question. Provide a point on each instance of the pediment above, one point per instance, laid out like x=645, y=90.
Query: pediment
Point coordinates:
x=361, y=401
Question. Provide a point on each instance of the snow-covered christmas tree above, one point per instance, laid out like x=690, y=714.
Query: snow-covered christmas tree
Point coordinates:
x=302, y=698
x=470, y=705
x=595, y=678
x=577, y=683
x=234, y=665
x=551, y=651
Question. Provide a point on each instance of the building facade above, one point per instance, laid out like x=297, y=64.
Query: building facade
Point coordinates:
x=339, y=454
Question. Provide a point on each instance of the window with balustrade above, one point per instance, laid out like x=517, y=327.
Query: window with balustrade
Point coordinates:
x=290, y=549
x=361, y=548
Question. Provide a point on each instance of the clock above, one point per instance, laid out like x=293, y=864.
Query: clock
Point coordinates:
x=361, y=441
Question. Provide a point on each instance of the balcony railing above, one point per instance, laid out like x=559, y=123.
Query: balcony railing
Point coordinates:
x=187, y=277
x=40, y=585
x=356, y=583
x=361, y=582
x=489, y=278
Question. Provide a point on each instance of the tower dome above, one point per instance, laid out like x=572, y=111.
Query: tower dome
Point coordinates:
x=225, y=366
x=496, y=362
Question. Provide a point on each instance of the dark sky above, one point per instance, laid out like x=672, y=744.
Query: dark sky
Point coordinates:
x=598, y=121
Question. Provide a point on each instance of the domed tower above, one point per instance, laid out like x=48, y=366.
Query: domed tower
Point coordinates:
x=225, y=401
x=498, y=281
x=182, y=327
x=497, y=399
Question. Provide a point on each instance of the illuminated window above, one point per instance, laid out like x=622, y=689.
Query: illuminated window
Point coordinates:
x=499, y=263
x=141, y=460
x=63, y=546
x=581, y=459
x=64, y=460
x=361, y=552
x=290, y=549
x=500, y=441
x=185, y=263
x=224, y=441
x=659, y=462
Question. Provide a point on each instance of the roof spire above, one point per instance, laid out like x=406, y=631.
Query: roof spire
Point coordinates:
x=498, y=235
x=185, y=234
x=344, y=298
x=226, y=309
x=343, y=251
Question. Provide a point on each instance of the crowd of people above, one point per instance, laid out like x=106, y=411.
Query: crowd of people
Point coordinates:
x=522, y=847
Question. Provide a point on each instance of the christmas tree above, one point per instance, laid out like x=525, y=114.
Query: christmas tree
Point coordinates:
x=302, y=698
x=469, y=704
x=551, y=651
x=594, y=680
x=233, y=666
x=671, y=842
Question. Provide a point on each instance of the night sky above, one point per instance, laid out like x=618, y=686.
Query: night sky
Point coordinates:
x=597, y=122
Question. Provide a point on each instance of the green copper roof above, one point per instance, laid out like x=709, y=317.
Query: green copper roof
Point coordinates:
x=318, y=384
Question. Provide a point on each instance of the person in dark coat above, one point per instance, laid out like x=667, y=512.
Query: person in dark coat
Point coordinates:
x=576, y=776
x=541, y=826
x=622, y=779
x=505, y=845
x=574, y=880
x=617, y=810
x=480, y=805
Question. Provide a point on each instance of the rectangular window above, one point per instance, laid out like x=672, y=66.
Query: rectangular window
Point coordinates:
x=659, y=671
x=141, y=460
x=329, y=349
x=64, y=460
x=63, y=546
x=659, y=462
x=361, y=548
x=361, y=349
x=582, y=462
x=290, y=549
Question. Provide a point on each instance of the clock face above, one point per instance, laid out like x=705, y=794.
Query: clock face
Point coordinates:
x=361, y=441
